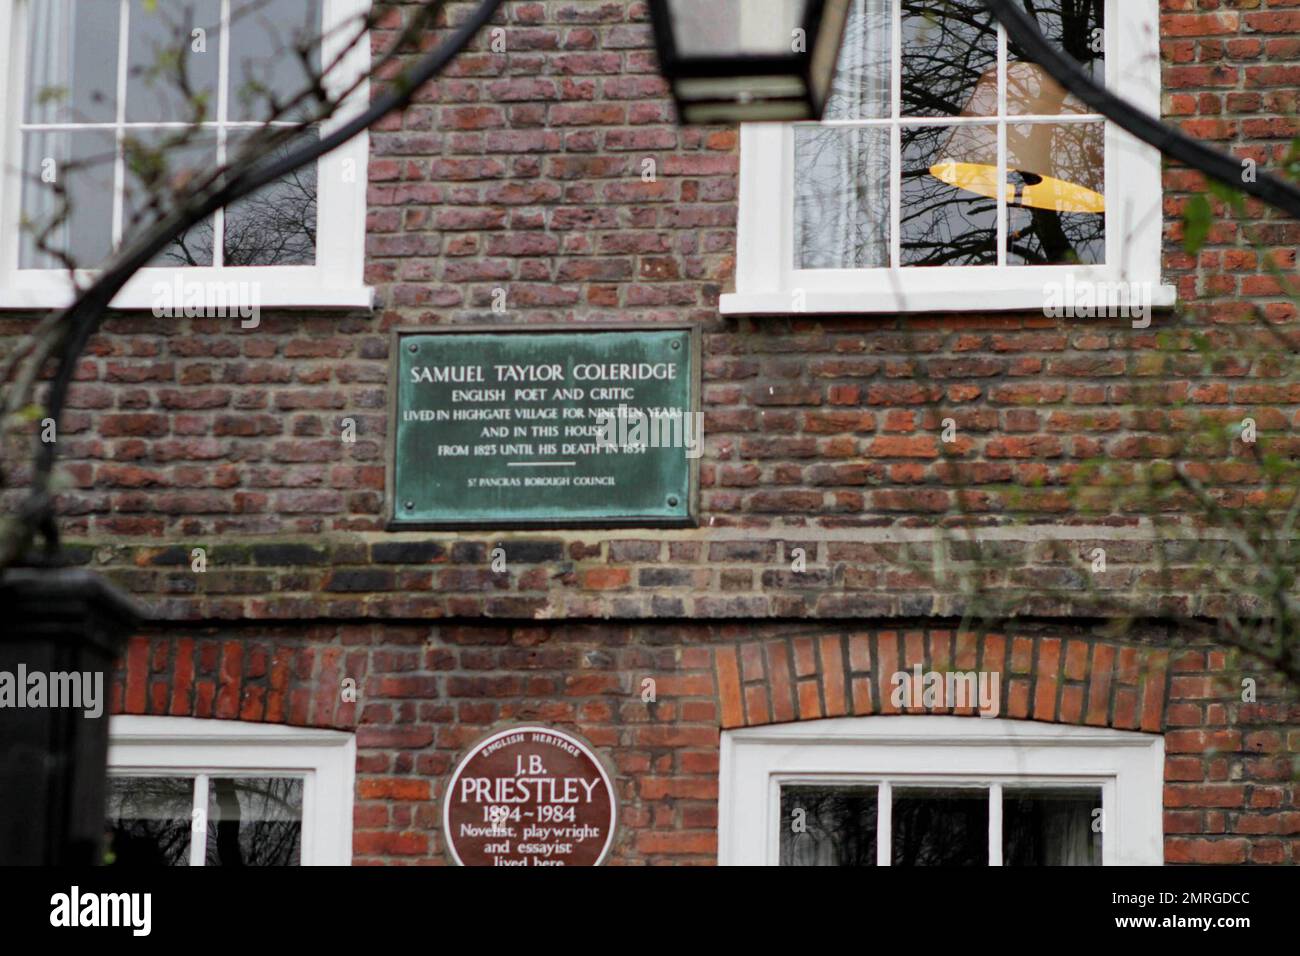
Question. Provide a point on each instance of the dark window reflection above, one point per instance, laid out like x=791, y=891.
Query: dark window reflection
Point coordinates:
x=254, y=822
x=828, y=826
x=1051, y=827
x=933, y=827
x=148, y=821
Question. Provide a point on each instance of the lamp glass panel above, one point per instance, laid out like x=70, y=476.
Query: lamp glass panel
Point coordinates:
x=948, y=46
x=947, y=221
x=841, y=190
x=1056, y=194
x=736, y=27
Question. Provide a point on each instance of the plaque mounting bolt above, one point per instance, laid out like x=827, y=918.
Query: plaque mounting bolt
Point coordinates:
x=676, y=344
x=672, y=501
x=413, y=347
x=410, y=505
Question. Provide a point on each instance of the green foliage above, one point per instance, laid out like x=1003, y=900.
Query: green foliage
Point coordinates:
x=1197, y=219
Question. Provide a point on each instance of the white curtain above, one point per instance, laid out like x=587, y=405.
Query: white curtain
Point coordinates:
x=50, y=41
x=1068, y=836
x=51, y=32
x=842, y=172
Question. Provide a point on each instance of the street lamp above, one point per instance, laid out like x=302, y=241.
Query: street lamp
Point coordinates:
x=749, y=60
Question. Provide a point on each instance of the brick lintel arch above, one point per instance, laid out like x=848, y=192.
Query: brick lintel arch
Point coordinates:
x=1069, y=680
x=270, y=680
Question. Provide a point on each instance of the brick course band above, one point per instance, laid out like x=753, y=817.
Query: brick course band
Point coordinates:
x=700, y=573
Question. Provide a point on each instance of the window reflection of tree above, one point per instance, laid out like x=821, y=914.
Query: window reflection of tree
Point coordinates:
x=947, y=46
x=149, y=820
x=940, y=829
x=941, y=225
x=841, y=189
x=1044, y=236
x=1047, y=237
x=274, y=226
x=838, y=826
x=1072, y=25
x=254, y=822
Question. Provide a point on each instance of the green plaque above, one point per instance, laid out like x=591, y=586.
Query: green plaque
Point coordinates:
x=544, y=426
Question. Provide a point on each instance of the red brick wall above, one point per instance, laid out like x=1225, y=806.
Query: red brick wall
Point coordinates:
x=425, y=693
x=524, y=172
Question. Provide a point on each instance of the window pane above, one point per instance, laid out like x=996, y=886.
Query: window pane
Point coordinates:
x=162, y=49
x=1057, y=204
x=828, y=826
x=933, y=827
x=841, y=196
x=275, y=226
x=81, y=165
x=72, y=61
x=183, y=154
x=254, y=822
x=1077, y=27
x=861, y=86
x=949, y=46
x=949, y=205
x=264, y=64
x=1051, y=827
x=1032, y=90
x=149, y=821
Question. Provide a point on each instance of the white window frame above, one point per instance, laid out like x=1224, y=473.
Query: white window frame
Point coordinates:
x=189, y=746
x=767, y=282
x=940, y=751
x=336, y=280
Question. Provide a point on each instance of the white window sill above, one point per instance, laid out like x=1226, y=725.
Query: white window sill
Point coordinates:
x=1153, y=296
x=263, y=289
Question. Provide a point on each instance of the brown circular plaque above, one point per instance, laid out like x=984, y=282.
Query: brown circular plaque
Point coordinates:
x=529, y=796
